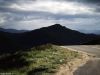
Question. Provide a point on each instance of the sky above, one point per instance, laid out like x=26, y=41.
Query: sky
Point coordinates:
x=33, y=14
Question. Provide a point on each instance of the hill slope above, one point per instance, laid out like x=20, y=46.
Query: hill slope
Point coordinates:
x=56, y=34
x=40, y=60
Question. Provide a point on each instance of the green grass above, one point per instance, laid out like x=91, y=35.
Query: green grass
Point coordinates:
x=41, y=60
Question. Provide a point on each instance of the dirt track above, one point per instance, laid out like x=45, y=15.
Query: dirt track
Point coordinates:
x=85, y=66
x=91, y=67
x=72, y=66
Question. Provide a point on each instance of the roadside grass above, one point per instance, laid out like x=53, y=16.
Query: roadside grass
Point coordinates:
x=40, y=60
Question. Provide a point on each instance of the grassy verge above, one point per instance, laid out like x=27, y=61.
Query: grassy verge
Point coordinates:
x=41, y=60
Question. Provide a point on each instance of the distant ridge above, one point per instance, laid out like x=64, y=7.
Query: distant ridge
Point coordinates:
x=13, y=30
x=97, y=32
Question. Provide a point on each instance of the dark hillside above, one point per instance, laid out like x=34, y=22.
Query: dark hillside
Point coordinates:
x=55, y=34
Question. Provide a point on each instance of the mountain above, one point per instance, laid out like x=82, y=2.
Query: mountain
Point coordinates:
x=13, y=30
x=55, y=34
x=95, y=41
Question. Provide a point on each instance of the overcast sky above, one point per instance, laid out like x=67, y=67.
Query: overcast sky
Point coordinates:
x=33, y=14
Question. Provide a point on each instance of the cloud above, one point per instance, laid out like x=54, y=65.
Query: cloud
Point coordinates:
x=33, y=14
x=93, y=1
x=53, y=7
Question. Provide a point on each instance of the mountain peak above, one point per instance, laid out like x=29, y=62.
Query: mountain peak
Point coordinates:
x=56, y=25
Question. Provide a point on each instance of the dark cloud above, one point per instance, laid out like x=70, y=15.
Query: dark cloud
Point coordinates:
x=89, y=1
x=93, y=1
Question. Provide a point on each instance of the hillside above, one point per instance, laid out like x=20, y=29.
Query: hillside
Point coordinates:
x=55, y=34
x=94, y=42
x=30, y=54
x=40, y=60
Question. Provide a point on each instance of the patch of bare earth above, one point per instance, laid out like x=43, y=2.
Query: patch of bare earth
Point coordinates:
x=72, y=66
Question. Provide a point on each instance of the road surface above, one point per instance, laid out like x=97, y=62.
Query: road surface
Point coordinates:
x=92, y=49
x=92, y=67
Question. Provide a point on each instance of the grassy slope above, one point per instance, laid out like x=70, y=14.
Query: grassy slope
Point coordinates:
x=41, y=60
